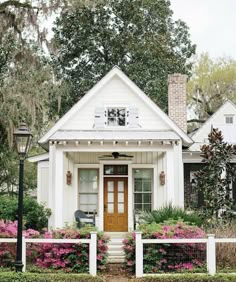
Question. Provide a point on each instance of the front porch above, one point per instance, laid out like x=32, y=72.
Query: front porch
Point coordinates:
x=113, y=187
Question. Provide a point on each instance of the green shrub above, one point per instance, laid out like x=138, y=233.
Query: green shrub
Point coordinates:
x=170, y=213
x=35, y=215
x=188, y=278
x=42, y=277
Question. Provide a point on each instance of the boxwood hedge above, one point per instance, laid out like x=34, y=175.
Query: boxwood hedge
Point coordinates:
x=46, y=277
x=188, y=278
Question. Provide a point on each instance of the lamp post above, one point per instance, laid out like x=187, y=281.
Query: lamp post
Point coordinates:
x=22, y=140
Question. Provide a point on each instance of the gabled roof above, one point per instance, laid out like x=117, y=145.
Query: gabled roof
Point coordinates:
x=89, y=95
x=210, y=120
x=38, y=158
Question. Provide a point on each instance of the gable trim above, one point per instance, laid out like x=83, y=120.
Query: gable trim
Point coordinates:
x=212, y=117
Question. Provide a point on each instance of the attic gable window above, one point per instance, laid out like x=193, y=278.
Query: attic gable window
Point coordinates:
x=229, y=119
x=116, y=116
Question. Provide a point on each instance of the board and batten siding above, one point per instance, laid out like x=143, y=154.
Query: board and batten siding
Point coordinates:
x=94, y=158
x=115, y=93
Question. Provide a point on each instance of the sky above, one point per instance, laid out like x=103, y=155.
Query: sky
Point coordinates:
x=212, y=24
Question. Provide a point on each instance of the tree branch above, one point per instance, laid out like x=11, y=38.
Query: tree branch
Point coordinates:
x=14, y=3
x=197, y=100
x=196, y=120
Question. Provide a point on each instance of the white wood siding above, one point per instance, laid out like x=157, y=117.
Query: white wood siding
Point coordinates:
x=115, y=93
x=43, y=182
x=93, y=158
x=200, y=137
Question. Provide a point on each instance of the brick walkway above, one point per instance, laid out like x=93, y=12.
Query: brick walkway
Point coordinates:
x=116, y=273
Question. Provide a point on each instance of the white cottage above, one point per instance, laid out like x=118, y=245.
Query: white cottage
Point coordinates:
x=114, y=152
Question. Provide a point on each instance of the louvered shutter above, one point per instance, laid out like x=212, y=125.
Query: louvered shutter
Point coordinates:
x=99, y=118
x=133, y=117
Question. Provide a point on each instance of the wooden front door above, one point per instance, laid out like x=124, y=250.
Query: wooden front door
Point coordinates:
x=116, y=204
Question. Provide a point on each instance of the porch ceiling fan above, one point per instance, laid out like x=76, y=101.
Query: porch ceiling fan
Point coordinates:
x=116, y=155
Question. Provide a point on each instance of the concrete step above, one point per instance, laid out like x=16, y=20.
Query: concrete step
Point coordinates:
x=115, y=251
x=116, y=259
x=113, y=235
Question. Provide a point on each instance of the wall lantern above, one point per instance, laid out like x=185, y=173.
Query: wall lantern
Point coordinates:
x=68, y=177
x=162, y=178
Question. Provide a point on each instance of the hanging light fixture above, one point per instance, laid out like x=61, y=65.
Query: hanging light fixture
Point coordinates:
x=68, y=174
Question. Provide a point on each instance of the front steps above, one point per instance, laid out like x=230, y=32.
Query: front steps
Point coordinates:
x=115, y=252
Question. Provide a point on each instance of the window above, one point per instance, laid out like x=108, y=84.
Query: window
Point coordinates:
x=115, y=170
x=116, y=116
x=229, y=119
x=88, y=190
x=143, y=179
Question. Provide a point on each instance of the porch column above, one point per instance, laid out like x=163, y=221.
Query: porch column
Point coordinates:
x=101, y=198
x=130, y=199
x=58, y=190
x=179, y=176
x=170, y=177
x=51, y=192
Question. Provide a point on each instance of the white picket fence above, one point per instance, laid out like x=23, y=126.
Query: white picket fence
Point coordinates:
x=210, y=242
x=92, y=248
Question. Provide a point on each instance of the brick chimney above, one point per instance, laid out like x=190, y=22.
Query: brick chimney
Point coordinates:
x=177, y=110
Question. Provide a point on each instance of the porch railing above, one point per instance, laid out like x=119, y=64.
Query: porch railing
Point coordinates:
x=92, y=248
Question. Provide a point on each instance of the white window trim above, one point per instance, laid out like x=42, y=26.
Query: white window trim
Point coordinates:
x=229, y=116
x=117, y=105
x=78, y=191
x=146, y=166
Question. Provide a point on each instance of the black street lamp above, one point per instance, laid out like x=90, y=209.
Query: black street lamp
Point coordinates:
x=22, y=139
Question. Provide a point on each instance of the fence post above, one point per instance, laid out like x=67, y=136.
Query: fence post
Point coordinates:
x=23, y=253
x=93, y=254
x=138, y=254
x=211, y=254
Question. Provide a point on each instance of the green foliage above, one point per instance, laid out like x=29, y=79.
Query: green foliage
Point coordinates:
x=215, y=179
x=39, y=277
x=170, y=213
x=139, y=36
x=188, y=278
x=35, y=216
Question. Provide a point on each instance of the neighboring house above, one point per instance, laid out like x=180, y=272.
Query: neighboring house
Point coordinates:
x=225, y=120
x=114, y=152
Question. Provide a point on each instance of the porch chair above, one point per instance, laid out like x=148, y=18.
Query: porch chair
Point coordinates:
x=82, y=218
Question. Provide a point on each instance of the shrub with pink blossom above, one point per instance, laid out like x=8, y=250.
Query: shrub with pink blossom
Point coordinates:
x=167, y=257
x=8, y=229
x=71, y=257
x=67, y=257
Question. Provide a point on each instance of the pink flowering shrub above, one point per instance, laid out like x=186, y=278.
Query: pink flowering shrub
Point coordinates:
x=8, y=229
x=167, y=257
x=67, y=257
x=71, y=257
